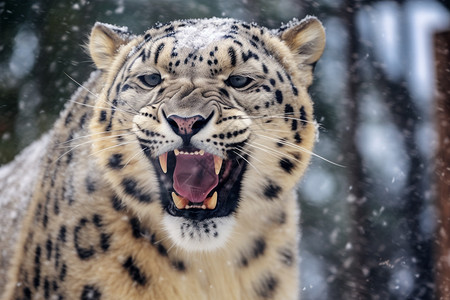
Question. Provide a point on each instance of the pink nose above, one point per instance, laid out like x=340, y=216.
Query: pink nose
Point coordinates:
x=186, y=127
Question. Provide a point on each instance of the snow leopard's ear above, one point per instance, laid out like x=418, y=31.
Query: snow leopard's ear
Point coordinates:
x=306, y=39
x=104, y=42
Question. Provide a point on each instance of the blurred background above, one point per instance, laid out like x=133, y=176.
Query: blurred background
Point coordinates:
x=368, y=226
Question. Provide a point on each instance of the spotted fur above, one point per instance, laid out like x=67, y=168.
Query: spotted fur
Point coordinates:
x=101, y=224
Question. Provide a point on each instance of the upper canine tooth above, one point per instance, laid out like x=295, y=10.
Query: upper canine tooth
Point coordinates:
x=176, y=151
x=180, y=202
x=163, y=162
x=201, y=152
x=217, y=164
x=211, y=202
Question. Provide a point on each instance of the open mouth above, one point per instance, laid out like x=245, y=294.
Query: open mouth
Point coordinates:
x=198, y=185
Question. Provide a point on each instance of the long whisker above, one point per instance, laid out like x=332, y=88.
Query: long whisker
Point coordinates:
x=67, y=152
x=73, y=148
x=248, y=154
x=96, y=95
x=80, y=85
x=268, y=150
x=276, y=153
x=303, y=149
x=171, y=247
x=79, y=145
x=132, y=108
x=107, y=108
x=129, y=160
x=275, y=117
x=272, y=130
x=107, y=148
x=98, y=139
x=91, y=135
x=235, y=152
x=133, y=112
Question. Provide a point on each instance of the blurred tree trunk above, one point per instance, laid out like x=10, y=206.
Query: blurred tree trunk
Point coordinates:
x=357, y=285
x=442, y=56
x=366, y=279
x=406, y=117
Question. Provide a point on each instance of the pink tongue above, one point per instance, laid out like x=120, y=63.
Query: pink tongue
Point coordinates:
x=194, y=176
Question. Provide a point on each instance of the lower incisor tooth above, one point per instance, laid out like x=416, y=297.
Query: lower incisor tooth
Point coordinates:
x=180, y=202
x=211, y=202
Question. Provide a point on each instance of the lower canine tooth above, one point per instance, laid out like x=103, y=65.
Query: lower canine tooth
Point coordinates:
x=211, y=202
x=180, y=202
x=217, y=164
x=163, y=162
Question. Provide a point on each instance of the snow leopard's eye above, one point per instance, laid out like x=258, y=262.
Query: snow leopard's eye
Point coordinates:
x=151, y=80
x=238, y=81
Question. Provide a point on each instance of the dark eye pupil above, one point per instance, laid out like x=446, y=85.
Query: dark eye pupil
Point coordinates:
x=238, y=81
x=151, y=80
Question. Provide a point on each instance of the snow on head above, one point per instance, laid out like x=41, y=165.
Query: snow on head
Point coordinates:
x=200, y=33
